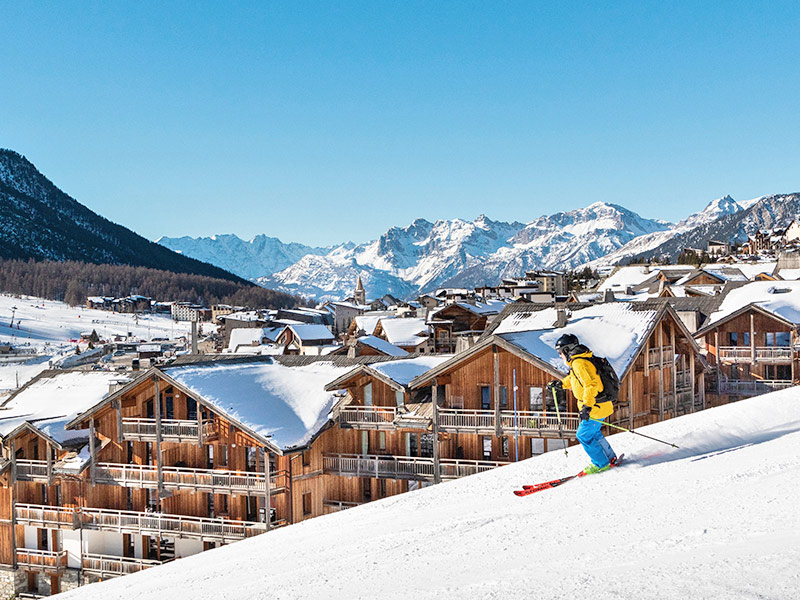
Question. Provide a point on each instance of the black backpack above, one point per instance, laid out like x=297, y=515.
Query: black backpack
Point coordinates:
x=609, y=378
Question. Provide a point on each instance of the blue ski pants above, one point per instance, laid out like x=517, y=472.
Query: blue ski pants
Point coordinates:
x=595, y=444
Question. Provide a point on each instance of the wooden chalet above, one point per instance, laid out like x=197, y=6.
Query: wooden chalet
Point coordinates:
x=410, y=334
x=369, y=345
x=752, y=339
x=304, y=338
x=460, y=320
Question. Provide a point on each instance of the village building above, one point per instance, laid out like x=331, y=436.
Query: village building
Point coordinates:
x=410, y=334
x=752, y=341
x=305, y=338
x=244, y=339
x=457, y=326
x=369, y=345
x=186, y=311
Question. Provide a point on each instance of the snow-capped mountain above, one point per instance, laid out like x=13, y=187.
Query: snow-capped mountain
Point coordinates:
x=424, y=256
x=262, y=254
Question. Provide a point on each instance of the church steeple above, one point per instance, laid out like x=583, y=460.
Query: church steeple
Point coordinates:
x=360, y=295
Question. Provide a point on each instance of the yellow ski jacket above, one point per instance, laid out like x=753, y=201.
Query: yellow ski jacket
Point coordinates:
x=585, y=384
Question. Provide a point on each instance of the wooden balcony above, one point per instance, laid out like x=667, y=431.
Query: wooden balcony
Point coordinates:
x=459, y=420
x=654, y=357
x=43, y=561
x=332, y=506
x=182, y=478
x=754, y=387
x=762, y=354
x=142, y=523
x=32, y=470
x=172, y=430
x=532, y=423
x=540, y=424
x=402, y=467
x=104, y=566
x=368, y=417
x=51, y=517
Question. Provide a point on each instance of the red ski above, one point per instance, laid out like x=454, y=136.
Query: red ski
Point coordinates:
x=527, y=490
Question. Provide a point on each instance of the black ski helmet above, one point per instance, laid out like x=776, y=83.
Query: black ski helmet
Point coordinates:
x=566, y=343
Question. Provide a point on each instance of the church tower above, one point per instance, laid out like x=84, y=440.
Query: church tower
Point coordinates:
x=360, y=295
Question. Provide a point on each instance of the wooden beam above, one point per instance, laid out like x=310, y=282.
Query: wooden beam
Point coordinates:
x=661, y=371
x=674, y=365
x=631, y=375
x=496, y=380
x=49, y=463
x=752, y=339
x=13, y=504
x=117, y=404
x=267, y=498
x=691, y=375
x=437, y=475
x=200, y=440
x=92, y=451
x=159, y=466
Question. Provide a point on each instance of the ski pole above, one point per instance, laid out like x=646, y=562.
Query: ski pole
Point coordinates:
x=634, y=432
x=558, y=416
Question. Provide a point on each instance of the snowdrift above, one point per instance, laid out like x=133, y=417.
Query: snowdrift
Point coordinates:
x=716, y=518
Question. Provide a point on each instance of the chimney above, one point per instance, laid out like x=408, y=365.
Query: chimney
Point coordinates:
x=561, y=318
x=194, y=337
x=608, y=296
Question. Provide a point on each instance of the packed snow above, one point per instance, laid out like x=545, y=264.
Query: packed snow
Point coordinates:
x=781, y=298
x=715, y=518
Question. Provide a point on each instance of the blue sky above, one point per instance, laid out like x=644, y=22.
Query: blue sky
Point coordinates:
x=326, y=122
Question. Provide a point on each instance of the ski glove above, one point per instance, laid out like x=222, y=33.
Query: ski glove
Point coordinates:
x=555, y=385
x=585, y=413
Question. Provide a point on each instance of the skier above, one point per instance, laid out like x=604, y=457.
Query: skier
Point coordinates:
x=585, y=383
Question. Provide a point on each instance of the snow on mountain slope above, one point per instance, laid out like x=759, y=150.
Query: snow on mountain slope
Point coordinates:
x=714, y=519
x=253, y=259
x=714, y=210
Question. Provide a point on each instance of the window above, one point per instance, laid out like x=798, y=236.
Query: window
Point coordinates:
x=129, y=452
x=58, y=495
x=169, y=404
x=148, y=453
x=210, y=505
x=252, y=459
x=535, y=395
x=368, y=395
x=364, y=443
x=43, y=539
x=129, y=498
x=782, y=338
x=149, y=411
x=537, y=446
x=35, y=449
x=191, y=409
x=486, y=397
x=412, y=444
x=382, y=488
x=426, y=445
x=487, y=448
x=733, y=338
x=778, y=372
x=770, y=338
x=44, y=494
x=504, y=446
x=366, y=489
x=382, y=440
x=152, y=499
x=128, y=545
x=746, y=337
x=223, y=504
x=398, y=397
x=503, y=397
x=210, y=456
x=307, y=458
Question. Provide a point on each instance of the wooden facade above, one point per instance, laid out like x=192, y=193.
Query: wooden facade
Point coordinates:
x=752, y=351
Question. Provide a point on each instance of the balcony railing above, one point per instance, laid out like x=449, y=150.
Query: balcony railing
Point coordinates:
x=534, y=423
x=765, y=354
x=177, y=478
x=45, y=561
x=368, y=417
x=540, y=424
x=751, y=387
x=332, y=506
x=402, y=467
x=105, y=566
x=141, y=523
x=172, y=430
x=654, y=356
x=52, y=517
x=32, y=470
x=464, y=420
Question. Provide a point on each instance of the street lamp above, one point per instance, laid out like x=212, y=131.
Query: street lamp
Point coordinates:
x=13, y=312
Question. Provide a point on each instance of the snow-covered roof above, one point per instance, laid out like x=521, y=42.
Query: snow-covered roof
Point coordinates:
x=289, y=404
x=252, y=336
x=781, y=298
x=615, y=330
x=789, y=274
x=624, y=277
x=311, y=331
x=403, y=371
x=369, y=322
x=54, y=399
x=405, y=332
x=488, y=307
x=382, y=346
